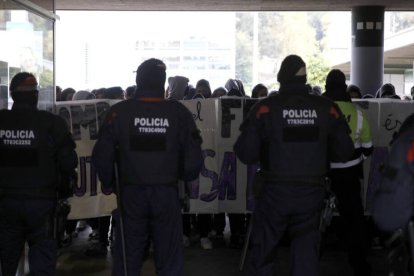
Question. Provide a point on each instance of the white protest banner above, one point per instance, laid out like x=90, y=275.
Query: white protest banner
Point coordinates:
x=235, y=180
x=385, y=118
x=224, y=184
x=84, y=119
x=206, y=118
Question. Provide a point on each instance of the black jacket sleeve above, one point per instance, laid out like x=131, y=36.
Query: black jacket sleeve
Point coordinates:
x=67, y=159
x=103, y=153
x=247, y=146
x=191, y=159
x=66, y=154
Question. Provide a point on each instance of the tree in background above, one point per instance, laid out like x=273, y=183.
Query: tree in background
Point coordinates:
x=46, y=78
x=318, y=67
x=279, y=35
x=244, y=49
x=317, y=70
x=270, y=28
x=297, y=36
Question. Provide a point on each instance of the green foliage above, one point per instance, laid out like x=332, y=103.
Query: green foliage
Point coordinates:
x=298, y=37
x=281, y=34
x=46, y=78
x=317, y=69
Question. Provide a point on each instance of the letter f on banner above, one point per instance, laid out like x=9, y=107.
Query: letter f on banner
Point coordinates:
x=227, y=116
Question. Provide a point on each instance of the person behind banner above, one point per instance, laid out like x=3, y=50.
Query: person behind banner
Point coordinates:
x=293, y=135
x=259, y=91
x=237, y=221
x=394, y=200
x=177, y=87
x=393, y=205
x=155, y=142
x=36, y=150
x=346, y=176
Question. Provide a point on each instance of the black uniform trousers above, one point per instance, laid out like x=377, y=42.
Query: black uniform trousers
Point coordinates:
x=291, y=207
x=27, y=220
x=346, y=185
x=150, y=211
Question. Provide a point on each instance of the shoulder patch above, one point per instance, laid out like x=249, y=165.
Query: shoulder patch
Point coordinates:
x=111, y=117
x=334, y=112
x=410, y=153
x=262, y=110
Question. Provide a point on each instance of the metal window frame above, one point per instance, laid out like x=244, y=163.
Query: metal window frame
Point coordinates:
x=48, y=15
x=32, y=7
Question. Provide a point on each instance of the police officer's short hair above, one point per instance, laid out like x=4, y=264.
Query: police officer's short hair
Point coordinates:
x=23, y=81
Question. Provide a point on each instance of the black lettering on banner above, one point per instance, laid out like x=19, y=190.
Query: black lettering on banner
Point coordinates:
x=87, y=175
x=208, y=174
x=80, y=188
x=85, y=118
x=389, y=124
x=197, y=116
x=227, y=116
x=93, y=176
x=378, y=158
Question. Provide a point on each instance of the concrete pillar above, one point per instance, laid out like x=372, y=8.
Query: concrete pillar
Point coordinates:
x=367, y=60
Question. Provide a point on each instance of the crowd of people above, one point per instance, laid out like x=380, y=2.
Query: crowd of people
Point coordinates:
x=293, y=153
x=196, y=228
x=206, y=228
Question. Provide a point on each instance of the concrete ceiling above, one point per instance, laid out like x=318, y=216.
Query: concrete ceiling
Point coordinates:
x=398, y=53
x=395, y=61
x=401, y=58
x=229, y=5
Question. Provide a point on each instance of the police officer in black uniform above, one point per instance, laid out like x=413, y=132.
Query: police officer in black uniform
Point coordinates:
x=155, y=143
x=36, y=149
x=293, y=135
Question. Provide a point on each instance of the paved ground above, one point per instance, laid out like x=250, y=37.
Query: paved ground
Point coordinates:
x=220, y=261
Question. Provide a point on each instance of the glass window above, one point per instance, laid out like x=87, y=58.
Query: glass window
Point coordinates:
x=245, y=45
x=27, y=45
